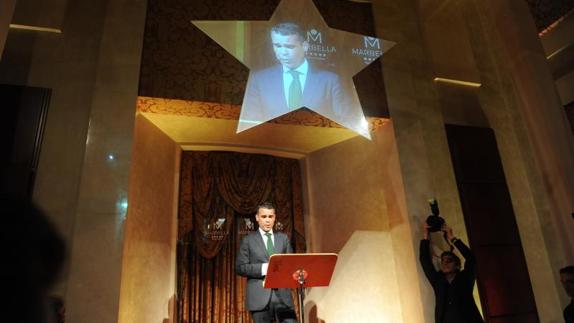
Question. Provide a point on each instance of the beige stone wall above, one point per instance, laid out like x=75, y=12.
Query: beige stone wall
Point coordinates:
x=345, y=193
x=149, y=264
x=356, y=208
x=364, y=287
x=94, y=281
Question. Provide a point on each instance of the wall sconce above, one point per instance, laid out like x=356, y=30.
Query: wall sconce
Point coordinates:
x=246, y=226
x=279, y=226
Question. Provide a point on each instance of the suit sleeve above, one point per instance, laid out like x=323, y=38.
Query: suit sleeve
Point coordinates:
x=289, y=249
x=341, y=103
x=469, y=260
x=242, y=265
x=252, y=108
x=346, y=105
x=426, y=261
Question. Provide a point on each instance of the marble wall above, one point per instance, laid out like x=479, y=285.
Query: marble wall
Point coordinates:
x=92, y=292
x=520, y=100
x=364, y=286
x=148, y=268
x=92, y=68
x=356, y=200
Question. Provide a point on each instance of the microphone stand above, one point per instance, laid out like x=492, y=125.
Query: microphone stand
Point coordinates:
x=301, y=282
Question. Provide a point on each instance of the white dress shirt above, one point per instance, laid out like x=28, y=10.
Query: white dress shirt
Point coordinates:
x=287, y=78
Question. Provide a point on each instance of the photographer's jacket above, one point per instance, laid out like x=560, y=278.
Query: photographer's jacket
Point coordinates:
x=454, y=301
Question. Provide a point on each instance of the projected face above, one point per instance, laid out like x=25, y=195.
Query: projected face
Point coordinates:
x=289, y=49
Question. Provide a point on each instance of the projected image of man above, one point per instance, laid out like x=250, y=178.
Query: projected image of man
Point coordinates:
x=290, y=49
x=292, y=83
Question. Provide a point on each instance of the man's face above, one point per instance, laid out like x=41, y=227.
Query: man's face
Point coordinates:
x=448, y=264
x=265, y=218
x=289, y=49
x=567, y=281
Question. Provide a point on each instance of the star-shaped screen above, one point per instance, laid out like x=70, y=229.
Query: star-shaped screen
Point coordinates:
x=296, y=61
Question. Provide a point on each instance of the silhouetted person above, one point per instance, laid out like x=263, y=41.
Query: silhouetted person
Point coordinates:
x=567, y=280
x=452, y=286
x=33, y=254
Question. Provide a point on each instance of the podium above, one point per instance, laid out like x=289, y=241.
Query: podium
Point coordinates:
x=300, y=271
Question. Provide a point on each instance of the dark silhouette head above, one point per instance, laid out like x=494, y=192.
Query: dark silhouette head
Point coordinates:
x=567, y=280
x=33, y=256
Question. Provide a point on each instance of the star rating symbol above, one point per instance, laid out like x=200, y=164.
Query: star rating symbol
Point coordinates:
x=332, y=58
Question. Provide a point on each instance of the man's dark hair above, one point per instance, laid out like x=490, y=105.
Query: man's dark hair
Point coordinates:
x=567, y=270
x=289, y=28
x=266, y=205
x=452, y=255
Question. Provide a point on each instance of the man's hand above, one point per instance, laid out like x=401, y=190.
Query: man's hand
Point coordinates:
x=448, y=230
x=425, y=229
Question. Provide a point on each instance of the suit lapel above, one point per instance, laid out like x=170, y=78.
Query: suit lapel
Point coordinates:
x=260, y=243
x=277, y=243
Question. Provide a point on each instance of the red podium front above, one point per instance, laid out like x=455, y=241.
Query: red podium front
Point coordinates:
x=300, y=271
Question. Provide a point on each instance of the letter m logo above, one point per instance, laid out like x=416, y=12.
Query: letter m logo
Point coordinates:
x=372, y=42
x=314, y=36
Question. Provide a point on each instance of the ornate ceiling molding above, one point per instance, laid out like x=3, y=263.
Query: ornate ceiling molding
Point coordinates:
x=301, y=117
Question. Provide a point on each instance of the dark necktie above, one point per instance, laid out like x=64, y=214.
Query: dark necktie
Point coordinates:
x=270, y=249
x=295, y=91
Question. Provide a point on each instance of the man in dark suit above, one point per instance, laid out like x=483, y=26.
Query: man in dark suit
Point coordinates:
x=252, y=261
x=291, y=84
x=567, y=280
x=452, y=286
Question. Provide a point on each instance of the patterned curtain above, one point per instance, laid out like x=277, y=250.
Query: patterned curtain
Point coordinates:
x=219, y=194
